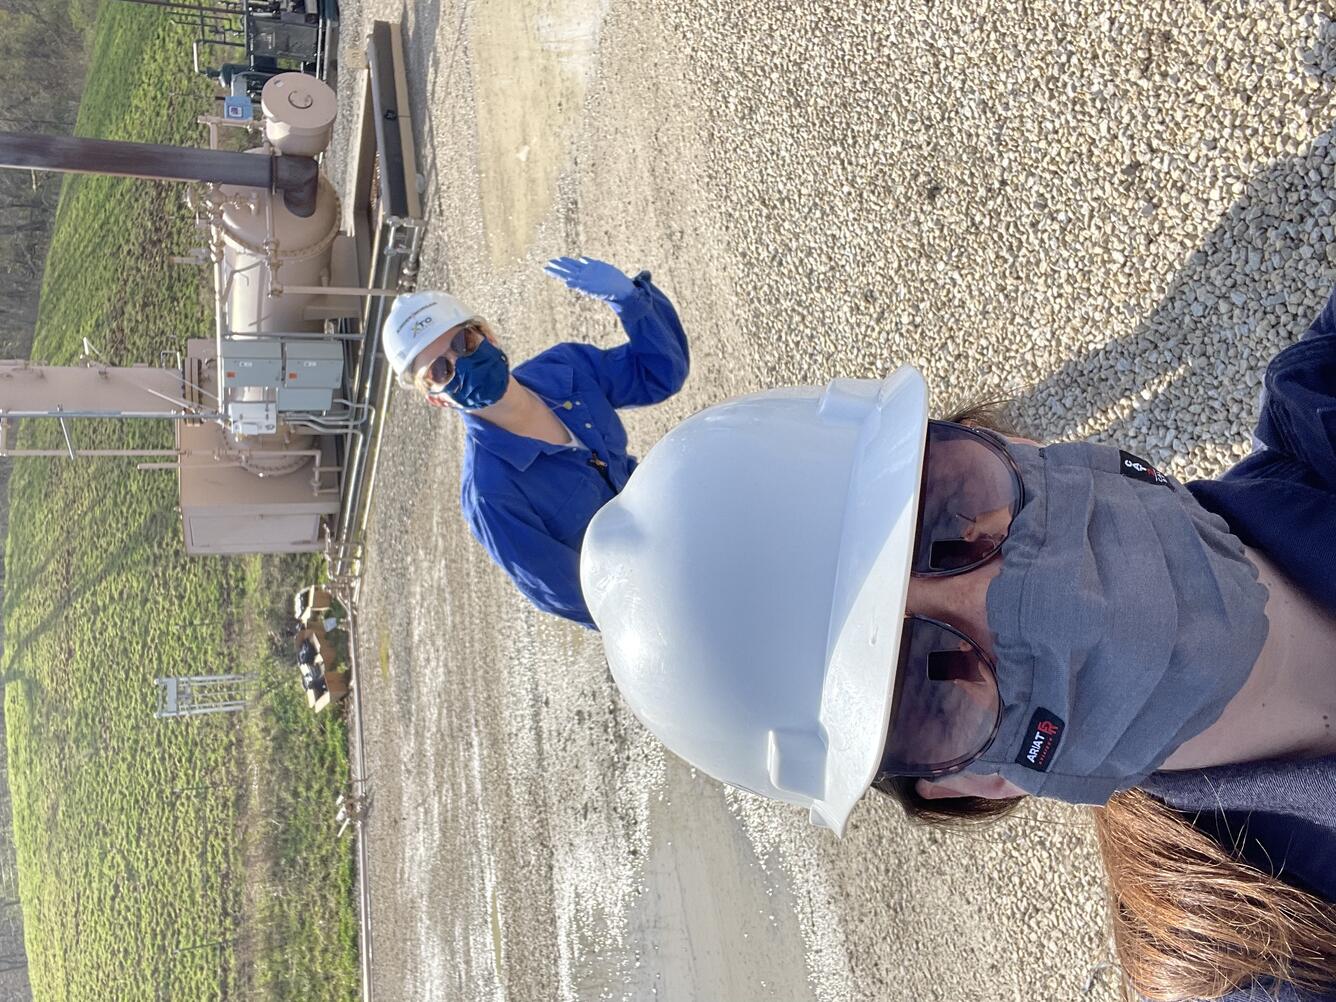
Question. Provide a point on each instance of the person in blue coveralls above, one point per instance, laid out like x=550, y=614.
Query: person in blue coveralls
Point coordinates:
x=545, y=447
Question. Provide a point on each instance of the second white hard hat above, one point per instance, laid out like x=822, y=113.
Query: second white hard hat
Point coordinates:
x=750, y=585
x=416, y=320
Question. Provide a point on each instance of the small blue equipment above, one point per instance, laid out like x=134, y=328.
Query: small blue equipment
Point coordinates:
x=238, y=108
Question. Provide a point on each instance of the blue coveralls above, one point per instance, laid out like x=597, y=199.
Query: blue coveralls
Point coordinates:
x=528, y=502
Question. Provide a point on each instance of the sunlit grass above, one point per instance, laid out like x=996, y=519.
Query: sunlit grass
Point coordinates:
x=188, y=859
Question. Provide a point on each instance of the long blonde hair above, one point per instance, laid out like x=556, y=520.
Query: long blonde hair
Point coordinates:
x=1193, y=920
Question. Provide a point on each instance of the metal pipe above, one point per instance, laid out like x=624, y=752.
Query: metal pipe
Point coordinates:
x=182, y=415
x=359, y=753
x=222, y=320
x=222, y=458
x=329, y=290
x=69, y=443
x=227, y=9
x=295, y=177
x=82, y=453
x=360, y=454
x=301, y=336
x=217, y=121
x=231, y=464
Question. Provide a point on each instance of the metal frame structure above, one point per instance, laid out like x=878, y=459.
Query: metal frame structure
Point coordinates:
x=383, y=204
x=244, y=25
x=202, y=695
x=384, y=230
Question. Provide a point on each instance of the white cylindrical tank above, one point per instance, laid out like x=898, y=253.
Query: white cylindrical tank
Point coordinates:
x=299, y=113
x=301, y=252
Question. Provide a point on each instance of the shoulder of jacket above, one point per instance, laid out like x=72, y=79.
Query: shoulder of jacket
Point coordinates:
x=561, y=354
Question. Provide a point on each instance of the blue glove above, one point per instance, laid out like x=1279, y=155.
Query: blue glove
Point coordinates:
x=594, y=278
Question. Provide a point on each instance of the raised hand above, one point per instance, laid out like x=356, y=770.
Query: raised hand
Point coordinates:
x=592, y=277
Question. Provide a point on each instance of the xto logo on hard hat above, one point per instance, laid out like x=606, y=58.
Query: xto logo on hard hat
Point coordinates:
x=424, y=322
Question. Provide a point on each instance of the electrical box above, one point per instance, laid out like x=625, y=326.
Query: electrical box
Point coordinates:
x=251, y=363
x=252, y=418
x=238, y=108
x=312, y=371
x=309, y=363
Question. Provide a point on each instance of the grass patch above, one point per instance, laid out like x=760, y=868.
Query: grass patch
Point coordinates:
x=186, y=859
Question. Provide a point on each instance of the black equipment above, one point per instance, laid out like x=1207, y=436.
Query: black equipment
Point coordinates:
x=261, y=38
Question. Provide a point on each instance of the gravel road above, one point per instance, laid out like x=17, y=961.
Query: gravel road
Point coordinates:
x=1111, y=212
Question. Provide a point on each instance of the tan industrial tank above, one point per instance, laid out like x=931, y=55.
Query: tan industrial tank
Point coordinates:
x=300, y=255
x=275, y=435
x=299, y=113
x=264, y=244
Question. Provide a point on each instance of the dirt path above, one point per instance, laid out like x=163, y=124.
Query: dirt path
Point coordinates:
x=827, y=191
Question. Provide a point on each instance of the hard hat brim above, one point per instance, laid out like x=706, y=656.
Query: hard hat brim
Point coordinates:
x=871, y=587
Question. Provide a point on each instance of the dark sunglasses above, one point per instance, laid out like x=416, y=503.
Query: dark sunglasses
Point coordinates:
x=946, y=707
x=467, y=340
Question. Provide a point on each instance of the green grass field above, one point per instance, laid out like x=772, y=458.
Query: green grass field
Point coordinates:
x=186, y=859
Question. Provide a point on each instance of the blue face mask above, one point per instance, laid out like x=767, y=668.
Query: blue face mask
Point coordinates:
x=480, y=379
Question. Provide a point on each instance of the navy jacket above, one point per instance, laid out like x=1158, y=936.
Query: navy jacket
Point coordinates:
x=1281, y=500
x=529, y=502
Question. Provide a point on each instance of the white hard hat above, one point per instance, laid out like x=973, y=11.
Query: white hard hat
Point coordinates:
x=750, y=585
x=416, y=320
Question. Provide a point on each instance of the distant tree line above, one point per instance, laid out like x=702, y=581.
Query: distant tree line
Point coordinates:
x=43, y=58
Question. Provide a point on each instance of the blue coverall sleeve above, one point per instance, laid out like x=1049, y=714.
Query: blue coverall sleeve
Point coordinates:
x=545, y=570
x=653, y=364
x=1298, y=416
x=1280, y=498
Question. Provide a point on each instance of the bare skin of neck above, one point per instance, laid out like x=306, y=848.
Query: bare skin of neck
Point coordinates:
x=521, y=412
x=1287, y=708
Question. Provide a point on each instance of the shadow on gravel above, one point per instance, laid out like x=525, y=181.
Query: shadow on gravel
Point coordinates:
x=1254, y=253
